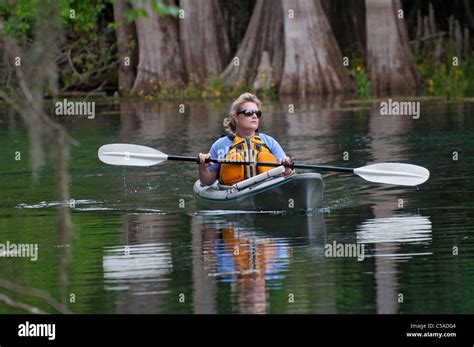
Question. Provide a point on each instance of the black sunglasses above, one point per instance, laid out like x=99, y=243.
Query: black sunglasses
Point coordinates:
x=250, y=113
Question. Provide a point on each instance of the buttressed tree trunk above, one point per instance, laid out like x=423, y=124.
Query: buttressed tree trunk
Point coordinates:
x=264, y=34
x=126, y=46
x=159, y=56
x=347, y=20
x=313, y=61
x=390, y=62
x=204, y=44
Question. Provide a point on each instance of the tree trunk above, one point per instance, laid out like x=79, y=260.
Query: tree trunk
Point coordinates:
x=204, y=43
x=264, y=33
x=347, y=20
x=126, y=46
x=159, y=57
x=313, y=61
x=264, y=79
x=236, y=16
x=390, y=62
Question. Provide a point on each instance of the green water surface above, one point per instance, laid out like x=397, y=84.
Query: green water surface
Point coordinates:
x=139, y=243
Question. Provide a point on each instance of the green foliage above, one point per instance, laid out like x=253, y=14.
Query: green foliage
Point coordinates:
x=86, y=14
x=468, y=73
x=17, y=16
x=135, y=13
x=87, y=55
x=81, y=16
x=158, y=7
x=446, y=79
x=162, y=9
x=211, y=88
x=20, y=16
x=268, y=93
x=363, y=85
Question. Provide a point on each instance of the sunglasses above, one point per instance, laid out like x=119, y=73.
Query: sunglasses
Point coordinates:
x=250, y=113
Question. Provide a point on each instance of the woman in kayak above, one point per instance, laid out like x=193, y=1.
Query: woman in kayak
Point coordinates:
x=243, y=143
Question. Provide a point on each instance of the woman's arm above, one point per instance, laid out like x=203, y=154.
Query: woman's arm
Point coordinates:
x=278, y=152
x=206, y=176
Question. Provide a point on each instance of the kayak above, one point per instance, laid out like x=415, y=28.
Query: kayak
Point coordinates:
x=298, y=192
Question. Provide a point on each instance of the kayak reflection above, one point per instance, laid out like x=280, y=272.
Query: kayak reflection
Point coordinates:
x=252, y=252
x=237, y=262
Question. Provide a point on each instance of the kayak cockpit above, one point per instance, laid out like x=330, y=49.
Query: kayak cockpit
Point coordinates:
x=297, y=192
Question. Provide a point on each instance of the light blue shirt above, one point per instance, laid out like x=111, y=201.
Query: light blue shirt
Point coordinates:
x=220, y=148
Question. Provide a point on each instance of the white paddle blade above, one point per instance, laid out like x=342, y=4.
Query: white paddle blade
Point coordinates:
x=130, y=155
x=394, y=173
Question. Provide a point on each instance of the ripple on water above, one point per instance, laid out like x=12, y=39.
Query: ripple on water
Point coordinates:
x=85, y=205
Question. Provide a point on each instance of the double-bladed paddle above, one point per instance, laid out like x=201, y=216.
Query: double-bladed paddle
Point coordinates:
x=388, y=173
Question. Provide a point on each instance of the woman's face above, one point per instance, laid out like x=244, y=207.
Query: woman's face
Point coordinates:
x=244, y=123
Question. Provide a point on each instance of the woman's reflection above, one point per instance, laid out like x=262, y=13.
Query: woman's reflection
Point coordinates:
x=247, y=262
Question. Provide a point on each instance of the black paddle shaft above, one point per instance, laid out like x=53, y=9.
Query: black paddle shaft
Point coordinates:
x=292, y=166
x=310, y=166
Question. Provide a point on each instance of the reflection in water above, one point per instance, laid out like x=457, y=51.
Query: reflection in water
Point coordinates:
x=409, y=254
x=313, y=119
x=139, y=269
x=124, y=265
x=248, y=261
x=237, y=254
x=403, y=229
x=250, y=254
x=388, y=235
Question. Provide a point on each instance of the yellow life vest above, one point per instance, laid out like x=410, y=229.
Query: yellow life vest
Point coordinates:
x=245, y=149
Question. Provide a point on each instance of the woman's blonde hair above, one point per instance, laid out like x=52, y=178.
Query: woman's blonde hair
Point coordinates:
x=229, y=122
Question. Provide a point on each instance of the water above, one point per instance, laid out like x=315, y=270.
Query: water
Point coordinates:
x=135, y=248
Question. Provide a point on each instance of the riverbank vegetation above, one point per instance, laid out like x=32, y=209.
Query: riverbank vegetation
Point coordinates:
x=104, y=47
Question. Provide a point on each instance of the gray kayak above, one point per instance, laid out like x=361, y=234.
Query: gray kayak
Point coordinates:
x=298, y=192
